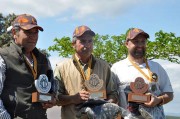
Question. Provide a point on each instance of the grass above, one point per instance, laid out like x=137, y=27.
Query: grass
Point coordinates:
x=172, y=117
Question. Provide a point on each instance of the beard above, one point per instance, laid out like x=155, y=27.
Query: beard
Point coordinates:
x=136, y=53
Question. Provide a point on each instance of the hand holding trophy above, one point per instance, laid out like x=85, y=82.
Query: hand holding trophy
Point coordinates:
x=43, y=86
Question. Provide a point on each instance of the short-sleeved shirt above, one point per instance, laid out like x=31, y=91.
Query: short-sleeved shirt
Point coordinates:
x=125, y=73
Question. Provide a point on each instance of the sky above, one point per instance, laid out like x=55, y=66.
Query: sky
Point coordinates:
x=113, y=17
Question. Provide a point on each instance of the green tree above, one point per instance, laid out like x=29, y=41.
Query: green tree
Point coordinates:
x=5, y=22
x=112, y=49
x=166, y=46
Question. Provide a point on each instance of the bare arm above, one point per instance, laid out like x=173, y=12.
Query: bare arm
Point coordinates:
x=73, y=99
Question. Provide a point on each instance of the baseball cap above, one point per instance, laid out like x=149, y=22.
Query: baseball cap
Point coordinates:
x=132, y=33
x=26, y=22
x=80, y=30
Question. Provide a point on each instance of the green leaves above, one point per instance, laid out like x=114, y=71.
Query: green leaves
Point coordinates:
x=63, y=46
x=5, y=22
x=166, y=46
x=112, y=49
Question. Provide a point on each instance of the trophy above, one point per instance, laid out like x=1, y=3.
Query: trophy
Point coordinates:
x=43, y=87
x=139, y=87
x=95, y=87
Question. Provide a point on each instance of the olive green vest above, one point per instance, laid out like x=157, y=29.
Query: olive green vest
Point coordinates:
x=19, y=81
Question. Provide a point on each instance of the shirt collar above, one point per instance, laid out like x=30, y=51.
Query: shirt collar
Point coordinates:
x=129, y=64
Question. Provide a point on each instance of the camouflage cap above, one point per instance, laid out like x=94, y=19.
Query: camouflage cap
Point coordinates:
x=80, y=30
x=26, y=22
x=135, y=32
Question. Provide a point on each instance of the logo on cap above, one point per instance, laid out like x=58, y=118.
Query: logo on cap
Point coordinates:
x=135, y=32
x=81, y=30
x=26, y=22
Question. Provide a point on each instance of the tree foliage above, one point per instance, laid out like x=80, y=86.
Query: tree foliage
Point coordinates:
x=166, y=46
x=112, y=49
x=5, y=22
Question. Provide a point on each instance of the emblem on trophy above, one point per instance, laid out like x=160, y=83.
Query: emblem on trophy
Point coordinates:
x=139, y=87
x=43, y=86
x=95, y=86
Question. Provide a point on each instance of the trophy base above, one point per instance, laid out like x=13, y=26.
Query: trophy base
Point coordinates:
x=133, y=97
x=98, y=94
x=40, y=97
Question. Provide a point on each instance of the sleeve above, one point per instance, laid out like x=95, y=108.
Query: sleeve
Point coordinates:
x=3, y=113
x=164, y=82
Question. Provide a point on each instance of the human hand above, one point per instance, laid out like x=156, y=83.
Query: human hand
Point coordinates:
x=49, y=104
x=81, y=96
x=153, y=102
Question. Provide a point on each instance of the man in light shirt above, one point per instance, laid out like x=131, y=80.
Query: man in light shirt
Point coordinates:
x=136, y=66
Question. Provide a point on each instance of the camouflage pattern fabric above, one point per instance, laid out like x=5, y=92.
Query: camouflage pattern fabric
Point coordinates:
x=103, y=111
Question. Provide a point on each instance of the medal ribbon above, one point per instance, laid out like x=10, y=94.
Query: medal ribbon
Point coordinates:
x=34, y=68
x=85, y=77
x=139, y=69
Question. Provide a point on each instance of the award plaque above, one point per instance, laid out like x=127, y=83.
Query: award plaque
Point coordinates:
x=43, y=87
x=139, y=87
x=95, y=86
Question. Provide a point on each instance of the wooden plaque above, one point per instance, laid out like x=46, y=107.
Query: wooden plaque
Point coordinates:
x=95, y=86
x=43, y=86
x=98, y=94
x=40, y=97
x=139, y=87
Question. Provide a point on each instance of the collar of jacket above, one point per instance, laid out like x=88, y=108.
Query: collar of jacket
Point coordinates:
x=76, y=63
x=20, y=49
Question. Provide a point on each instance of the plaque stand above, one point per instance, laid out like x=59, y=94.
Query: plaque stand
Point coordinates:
x=98, y=94
x=40, y=97
x=43, y=86
x=135, y=97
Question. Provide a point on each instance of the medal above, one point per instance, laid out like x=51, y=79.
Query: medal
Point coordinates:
x=155, y=77
x=153, y=87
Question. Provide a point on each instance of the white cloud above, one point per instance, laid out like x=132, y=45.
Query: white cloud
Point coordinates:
x=54, y=60
x=173, y=72
x=40, y=8
x=75, y=9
